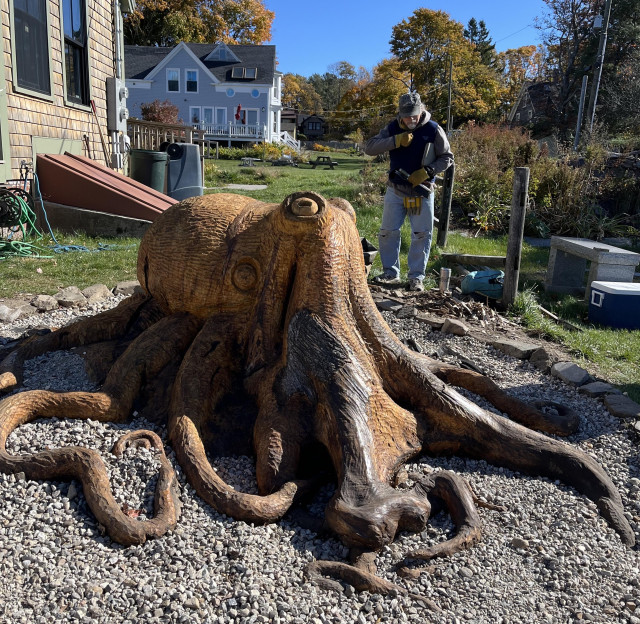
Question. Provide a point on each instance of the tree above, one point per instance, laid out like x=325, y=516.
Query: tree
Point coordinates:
x=567, y=35
x=425, y=44
x=518, y=66
x=167, y=22
x=298, y=93
x=478, y=35
x=373, y=101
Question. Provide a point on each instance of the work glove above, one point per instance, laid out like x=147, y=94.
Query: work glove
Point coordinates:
x=404, y=139
x=418, y=177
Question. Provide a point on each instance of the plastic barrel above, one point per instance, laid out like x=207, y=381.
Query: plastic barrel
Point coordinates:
x=149, y=167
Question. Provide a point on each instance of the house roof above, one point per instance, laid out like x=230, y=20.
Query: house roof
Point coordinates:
x=139, y=61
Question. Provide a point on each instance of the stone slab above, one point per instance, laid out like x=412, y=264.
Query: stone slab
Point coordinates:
x=598, y=389
x=622, y=406
x=570, y=373
x=516, y=348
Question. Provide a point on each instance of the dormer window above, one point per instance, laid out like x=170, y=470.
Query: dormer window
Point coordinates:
x=246, y=73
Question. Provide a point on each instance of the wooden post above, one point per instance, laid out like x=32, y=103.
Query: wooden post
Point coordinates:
x=445, y=213
x=519, y=203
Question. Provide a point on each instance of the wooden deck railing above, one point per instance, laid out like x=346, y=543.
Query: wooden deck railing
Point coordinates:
x=150, y=135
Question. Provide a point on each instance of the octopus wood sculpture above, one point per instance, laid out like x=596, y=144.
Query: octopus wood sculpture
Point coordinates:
x=256, y=327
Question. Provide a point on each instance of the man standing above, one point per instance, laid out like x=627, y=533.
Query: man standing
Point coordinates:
x=418, y=150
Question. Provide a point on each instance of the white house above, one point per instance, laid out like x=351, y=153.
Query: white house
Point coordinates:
x=232, y=92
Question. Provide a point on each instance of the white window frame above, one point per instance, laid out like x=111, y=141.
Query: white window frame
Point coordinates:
x=257, y=112
x=223, y=110
x=186, y=80
x=204, y=115
x=173, y=69
x=195, y=108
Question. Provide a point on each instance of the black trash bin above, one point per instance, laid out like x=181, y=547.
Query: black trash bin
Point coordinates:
x=149, y=167
x=184, y=177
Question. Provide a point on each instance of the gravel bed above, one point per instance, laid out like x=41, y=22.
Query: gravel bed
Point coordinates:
x=549, y=558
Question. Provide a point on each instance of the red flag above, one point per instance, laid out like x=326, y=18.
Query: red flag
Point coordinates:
x=238, y=112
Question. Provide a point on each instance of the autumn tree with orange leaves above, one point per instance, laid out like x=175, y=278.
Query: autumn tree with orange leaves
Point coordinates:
x=168, y=22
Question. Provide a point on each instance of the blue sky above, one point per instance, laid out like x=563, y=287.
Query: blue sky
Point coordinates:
x=311, y=36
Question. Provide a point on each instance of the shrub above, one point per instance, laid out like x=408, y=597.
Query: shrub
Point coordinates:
x=161, y=112
x=320, y=148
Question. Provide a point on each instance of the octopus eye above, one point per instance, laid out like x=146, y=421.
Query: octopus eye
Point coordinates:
x=245, y=274
x=303, y=205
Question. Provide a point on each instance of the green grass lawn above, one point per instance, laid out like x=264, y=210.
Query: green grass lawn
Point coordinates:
x=613, y=354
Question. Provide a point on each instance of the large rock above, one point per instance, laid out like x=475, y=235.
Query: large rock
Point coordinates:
x=126, y=288
x=543, y=359
x=570, y=373
x=455, y=327
x=44, y=303
x=13, y=309
x=598, y=389
x=622, y=406
x=516, y=348
x=96, y=293
x=70, y=297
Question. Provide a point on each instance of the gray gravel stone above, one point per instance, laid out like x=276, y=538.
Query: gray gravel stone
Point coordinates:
x=57, y=566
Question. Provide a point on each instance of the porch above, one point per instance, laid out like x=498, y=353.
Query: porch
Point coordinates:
x=150, y=135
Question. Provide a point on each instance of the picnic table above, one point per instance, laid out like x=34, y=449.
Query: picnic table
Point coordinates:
x=284, y=162
x=249, y=162
x=323, y=161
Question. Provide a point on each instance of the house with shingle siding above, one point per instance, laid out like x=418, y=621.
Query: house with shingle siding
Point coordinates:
x=59, y=57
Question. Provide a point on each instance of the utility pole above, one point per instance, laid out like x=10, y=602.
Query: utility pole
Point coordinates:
x=597, y=68
x=449, y=120
x=583, y=93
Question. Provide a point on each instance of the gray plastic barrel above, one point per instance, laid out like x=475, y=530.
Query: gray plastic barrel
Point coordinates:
x=184, y=177
x=149, y=167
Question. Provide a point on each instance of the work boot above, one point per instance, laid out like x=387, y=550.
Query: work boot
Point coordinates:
x=415, y=285
x=386, y=280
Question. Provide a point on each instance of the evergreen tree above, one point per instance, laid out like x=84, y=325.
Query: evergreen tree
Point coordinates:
x=478, y=35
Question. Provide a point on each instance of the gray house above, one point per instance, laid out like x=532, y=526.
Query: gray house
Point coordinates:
x=231, y=92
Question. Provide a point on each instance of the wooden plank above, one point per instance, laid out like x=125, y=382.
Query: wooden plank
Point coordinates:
x=490, y=261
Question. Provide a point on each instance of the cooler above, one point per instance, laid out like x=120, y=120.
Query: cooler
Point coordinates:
x=615, y=304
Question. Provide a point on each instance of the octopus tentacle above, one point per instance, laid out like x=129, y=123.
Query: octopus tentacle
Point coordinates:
x=365, y=511
x=146, y=356
x=452, y=424
x=563, y=423
x=202, y=381
x=359, y=578
x=112, y=324
x=81, y=463
x=390, y=353
x=458, y=498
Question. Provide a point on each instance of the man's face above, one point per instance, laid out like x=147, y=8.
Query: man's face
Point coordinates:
x=411, y=122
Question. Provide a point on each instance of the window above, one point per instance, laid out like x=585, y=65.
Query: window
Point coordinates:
x=230, y=92
x=221, y=115
x=194, y=114
x=31, y=41
x=314, y=125
x=255, y=93
x=250, y=73
x=76, y=61
x=192, y=80
x=207, y=115
x=252, y=116
x=173, y=80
